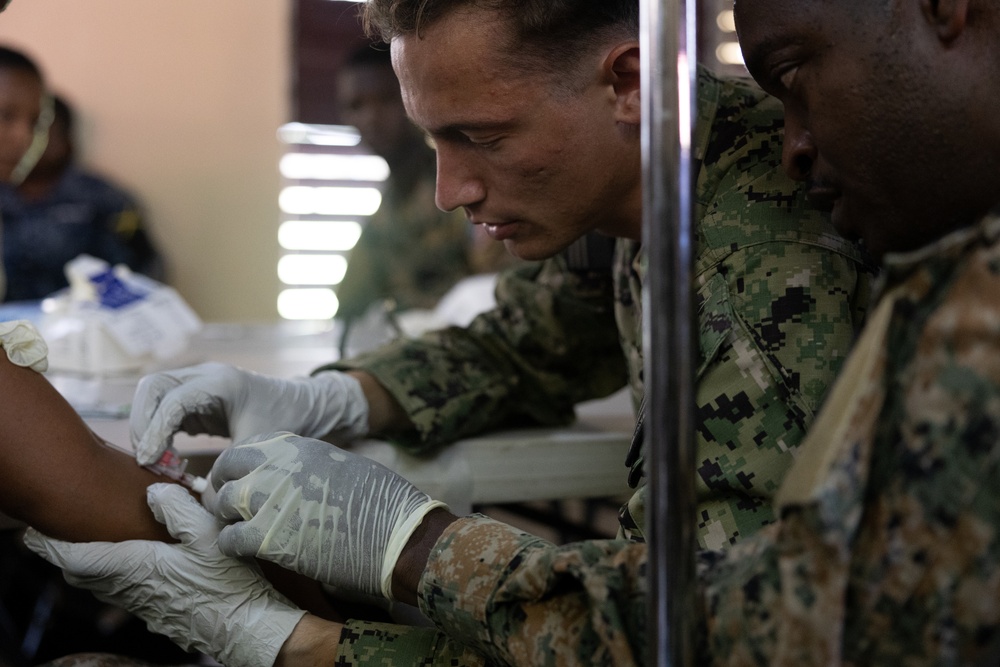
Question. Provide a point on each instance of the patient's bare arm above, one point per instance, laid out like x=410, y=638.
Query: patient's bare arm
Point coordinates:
x=61, y=479
x=57, y=476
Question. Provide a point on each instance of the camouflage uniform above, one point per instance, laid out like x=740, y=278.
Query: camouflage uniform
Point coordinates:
x=888, y=548
x=410, y=251
x=780, y=297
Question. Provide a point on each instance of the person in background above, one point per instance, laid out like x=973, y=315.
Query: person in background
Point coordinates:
x=410, y=252
x=23, y=126
x=60, y=211
x=22, y=89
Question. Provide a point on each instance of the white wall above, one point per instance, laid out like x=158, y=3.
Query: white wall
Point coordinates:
x=179, y=100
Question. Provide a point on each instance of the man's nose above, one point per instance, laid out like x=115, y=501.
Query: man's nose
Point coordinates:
x=799, y=150
x=457, y=182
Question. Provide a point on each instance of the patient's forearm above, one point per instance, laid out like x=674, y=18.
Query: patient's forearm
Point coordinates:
x=59, y=478
x=56, y=476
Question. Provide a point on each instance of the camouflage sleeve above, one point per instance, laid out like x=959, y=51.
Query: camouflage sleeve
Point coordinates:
x=520, y=600
x=776, y=324
x=379, y=644
x=916, y=584
x=887, y=549
x=550, y=343
x=780, y=299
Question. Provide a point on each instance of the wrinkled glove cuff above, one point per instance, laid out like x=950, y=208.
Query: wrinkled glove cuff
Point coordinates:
x=260, y=647
x=343, y=391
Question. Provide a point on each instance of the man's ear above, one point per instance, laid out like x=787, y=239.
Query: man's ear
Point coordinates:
x=947, y=17
x=622, y=63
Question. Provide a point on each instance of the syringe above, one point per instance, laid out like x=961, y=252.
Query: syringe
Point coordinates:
x=171, y=465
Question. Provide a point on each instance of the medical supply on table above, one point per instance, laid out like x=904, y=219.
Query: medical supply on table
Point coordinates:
x=111, y=320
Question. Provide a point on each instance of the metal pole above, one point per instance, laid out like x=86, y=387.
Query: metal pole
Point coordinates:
x=669, y=54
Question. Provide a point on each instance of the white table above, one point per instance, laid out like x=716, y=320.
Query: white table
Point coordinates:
x=583, y=460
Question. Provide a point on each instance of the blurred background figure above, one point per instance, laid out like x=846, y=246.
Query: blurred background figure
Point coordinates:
x=60, y=211
x=21, y=92
x=410, y=252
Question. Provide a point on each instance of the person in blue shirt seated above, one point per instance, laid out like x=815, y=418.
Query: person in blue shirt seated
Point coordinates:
x=60, y=211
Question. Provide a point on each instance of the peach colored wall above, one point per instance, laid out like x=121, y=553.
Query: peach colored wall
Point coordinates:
x=180, y=101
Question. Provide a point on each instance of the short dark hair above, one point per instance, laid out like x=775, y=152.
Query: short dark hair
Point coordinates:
x=11, y=58
x=551, y=34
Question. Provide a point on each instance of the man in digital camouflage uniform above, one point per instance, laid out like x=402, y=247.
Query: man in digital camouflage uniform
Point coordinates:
x=887, y=551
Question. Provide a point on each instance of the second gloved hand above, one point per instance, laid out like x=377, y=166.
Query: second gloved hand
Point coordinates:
x=310, y=507
x=223, y=400
x=190, y=592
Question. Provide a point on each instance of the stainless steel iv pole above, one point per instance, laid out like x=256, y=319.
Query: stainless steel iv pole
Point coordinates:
x=669, y=55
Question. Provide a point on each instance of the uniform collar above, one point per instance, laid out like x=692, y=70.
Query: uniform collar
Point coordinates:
x=946, y=251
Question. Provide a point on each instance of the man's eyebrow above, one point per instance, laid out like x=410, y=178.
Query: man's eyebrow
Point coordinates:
x=460, y=128
x=756, y=58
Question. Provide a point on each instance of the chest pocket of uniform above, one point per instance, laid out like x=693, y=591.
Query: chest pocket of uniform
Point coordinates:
x=715, y=319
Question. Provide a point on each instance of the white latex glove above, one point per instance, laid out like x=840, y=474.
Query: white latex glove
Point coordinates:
x=308, y=506
x=192, y=593
x=223, y=400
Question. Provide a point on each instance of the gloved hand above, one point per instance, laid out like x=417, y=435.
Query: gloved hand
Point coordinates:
x=190, y=591
x=308, y=506
x=218, y=399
